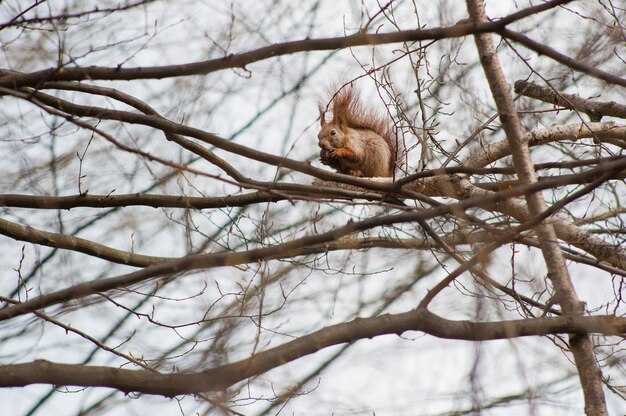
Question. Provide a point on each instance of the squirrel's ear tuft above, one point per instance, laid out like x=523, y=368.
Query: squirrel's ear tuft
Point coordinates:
x=340, y=120
x=322, y=116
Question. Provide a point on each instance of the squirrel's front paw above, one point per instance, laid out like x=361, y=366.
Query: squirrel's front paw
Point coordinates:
x=327, y=154
x=339, y=152
x=355, y=172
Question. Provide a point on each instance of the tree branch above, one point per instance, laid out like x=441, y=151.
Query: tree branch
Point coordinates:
x=571, y=132
x=593, y=108
x=484, y=199
x=543, y=49
x=220, y=378
x=12, y=79
x=45, y=238
x=565, y=294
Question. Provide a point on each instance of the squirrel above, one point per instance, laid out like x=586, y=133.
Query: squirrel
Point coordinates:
x=357, y=141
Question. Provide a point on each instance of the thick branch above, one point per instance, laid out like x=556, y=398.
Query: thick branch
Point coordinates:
x=593, y=108
x=488, y=200
x=565, y=294
x=45, y=238
x=169, y=127
x=570, y=132
x=219, y=378
x=147, y=200
x=13, y=79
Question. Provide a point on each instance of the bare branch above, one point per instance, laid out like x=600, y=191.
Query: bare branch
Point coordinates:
x=215, y=379
x=13, y=79
x=565, y=294
x=81, y=245
x=571, y=132
x=544, y=49
x=593, y=108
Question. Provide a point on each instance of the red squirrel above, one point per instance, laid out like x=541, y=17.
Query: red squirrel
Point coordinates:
x=357, y=141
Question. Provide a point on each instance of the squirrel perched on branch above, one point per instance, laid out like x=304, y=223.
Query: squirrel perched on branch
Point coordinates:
x=357, y=141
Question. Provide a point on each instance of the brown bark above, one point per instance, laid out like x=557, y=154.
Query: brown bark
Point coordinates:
x=593, y=108
x=581, y=347
x=241, y=60
x=219, y=378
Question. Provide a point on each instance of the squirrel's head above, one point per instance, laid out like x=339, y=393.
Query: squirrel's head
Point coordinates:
x=331, y=135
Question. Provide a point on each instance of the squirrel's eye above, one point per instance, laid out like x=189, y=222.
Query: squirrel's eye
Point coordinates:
x=333, y=132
